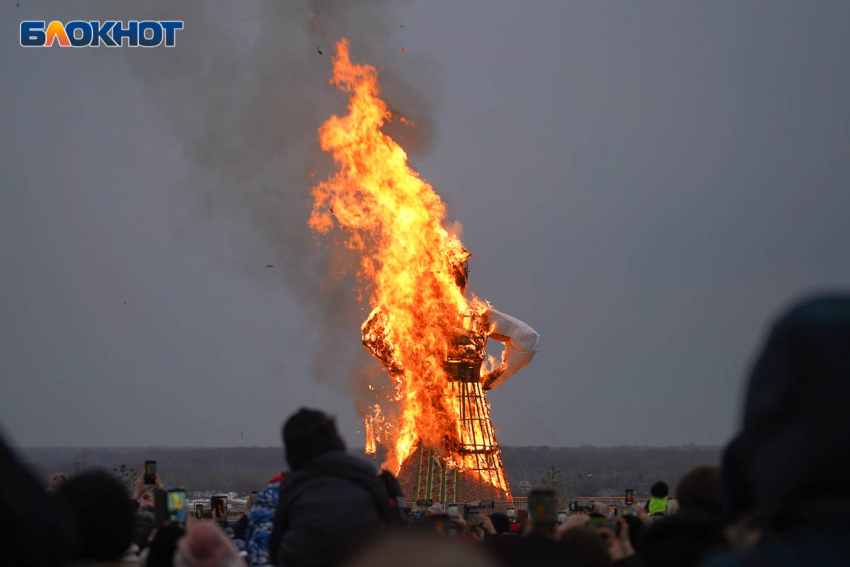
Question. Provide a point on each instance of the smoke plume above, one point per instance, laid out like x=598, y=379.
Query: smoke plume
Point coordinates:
x=244, y=92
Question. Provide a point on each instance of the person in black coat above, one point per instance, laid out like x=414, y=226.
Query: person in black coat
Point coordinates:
x=330, y=503
x=785, y=474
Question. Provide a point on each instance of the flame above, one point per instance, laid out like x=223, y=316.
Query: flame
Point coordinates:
x=375, y=424
x=370, y=435
x=395, y=221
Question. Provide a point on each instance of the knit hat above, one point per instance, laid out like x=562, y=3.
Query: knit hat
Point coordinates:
x=57, y=481
x=103, y=514
x=659, y=489
x=206, y=545
x=308, y=434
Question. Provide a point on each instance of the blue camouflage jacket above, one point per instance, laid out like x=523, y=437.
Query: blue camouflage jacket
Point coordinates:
x=260, y=523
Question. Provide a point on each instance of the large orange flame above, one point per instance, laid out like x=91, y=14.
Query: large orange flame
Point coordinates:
x=395, y=221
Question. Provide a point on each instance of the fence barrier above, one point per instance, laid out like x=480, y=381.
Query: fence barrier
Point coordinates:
x=236, y=509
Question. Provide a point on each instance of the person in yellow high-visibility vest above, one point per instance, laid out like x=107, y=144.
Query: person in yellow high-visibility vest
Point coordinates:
x=657, y=505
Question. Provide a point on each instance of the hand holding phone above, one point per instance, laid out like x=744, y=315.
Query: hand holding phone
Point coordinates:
x=630, y=497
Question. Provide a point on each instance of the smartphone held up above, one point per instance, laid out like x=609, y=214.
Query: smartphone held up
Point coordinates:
x=177, y=506
x=473, y=517
x=541, y=506
x=218, y=505
x=150, y=472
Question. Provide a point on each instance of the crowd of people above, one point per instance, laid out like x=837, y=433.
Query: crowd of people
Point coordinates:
x=777, y=499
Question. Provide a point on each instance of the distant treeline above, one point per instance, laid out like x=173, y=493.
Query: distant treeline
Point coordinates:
x=606, y=471
x=588, y=471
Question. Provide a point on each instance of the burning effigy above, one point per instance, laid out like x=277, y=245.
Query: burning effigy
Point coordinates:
x=429, y=336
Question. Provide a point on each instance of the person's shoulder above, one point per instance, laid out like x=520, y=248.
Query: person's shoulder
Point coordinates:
x=343, y=464
x=343, y=457
x=332, y=471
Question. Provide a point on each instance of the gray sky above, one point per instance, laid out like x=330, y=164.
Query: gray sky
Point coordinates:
x=645, y=183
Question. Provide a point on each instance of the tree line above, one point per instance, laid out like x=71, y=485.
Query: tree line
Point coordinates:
x=578, y=471
x=604, y=471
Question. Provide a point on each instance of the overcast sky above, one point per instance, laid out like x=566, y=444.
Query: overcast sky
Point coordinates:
x=644, y=183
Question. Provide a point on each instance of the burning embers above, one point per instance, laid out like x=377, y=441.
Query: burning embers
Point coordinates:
x=422, y=328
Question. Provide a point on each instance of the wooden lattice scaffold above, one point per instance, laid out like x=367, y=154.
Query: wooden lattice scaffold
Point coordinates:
x=427, y=475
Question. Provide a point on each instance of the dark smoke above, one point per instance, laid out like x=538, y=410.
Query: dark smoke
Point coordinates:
x=244, y=92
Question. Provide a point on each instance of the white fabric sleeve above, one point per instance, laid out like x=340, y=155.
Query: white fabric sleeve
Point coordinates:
x=521, y=343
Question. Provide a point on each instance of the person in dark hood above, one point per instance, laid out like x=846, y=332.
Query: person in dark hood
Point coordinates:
x=786, y=471
x=330, y=503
